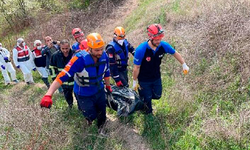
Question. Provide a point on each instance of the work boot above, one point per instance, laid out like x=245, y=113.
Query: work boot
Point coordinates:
x=30, y=83
x=15, y=81
x=70, y=106
x=102, y=132
x=8, y=83
x=89, y=122
x=146, y=110
x=46, y=82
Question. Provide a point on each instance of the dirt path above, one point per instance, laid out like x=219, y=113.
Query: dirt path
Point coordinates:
x=22, y=115
x=128, y=135
x=106, y=28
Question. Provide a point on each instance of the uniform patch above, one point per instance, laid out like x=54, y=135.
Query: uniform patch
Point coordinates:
x=70, y=64
x=111, y=55
x=136, y=59
x=160, y=56
x=72, y=61
x=148, y=59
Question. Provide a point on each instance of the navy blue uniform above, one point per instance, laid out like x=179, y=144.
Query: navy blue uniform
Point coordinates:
x=88, y=86
x=57, y=64
x=76, y=47
x=149, y=77
x=118, y=58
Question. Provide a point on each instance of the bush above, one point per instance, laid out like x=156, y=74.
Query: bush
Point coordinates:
x=78, y=4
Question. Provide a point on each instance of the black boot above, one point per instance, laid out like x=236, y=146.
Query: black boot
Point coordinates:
x=46, y=82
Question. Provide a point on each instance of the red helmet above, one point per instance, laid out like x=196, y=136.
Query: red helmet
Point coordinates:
x=83, y=45
x=77, y=32
x=155, y=31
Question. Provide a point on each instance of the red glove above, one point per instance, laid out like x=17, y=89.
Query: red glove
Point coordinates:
x=119, y=84
x=109, y=89
x=46, y=101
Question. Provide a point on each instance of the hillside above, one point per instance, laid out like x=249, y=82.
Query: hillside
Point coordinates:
x=207, y=109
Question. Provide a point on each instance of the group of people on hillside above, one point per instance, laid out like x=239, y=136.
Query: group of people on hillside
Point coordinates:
x=25, y=60
x=87, y=66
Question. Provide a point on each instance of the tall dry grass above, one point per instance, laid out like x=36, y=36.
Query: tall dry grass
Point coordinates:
x=213, y=37
x=61, y=25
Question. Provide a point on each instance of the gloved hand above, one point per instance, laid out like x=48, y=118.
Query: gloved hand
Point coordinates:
x=135, y=85
x=18, y=66
x=34, y=69
x=3, y=67
x=46, y=101
x=185, y=68
x=109, y=89
x=119, y=84
x=6, y=58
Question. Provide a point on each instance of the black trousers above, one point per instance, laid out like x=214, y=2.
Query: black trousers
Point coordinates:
x=68, y=93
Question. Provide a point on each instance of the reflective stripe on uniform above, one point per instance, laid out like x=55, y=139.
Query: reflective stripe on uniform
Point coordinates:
x=68, y=83
x=53, y=71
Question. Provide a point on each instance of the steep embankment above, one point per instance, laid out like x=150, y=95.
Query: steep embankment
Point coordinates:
x=207, y=109
x=25, y=125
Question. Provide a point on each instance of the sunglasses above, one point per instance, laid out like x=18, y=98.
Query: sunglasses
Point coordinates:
x=122, y=36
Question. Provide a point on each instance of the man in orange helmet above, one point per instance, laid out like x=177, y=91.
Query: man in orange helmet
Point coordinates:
x=147, y=61
x=89, y=68
x=118, y=51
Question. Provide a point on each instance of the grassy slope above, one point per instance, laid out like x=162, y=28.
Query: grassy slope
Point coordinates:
x=208, y=109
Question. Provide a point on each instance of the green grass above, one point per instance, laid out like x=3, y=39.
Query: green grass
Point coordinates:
x=158, y=15
x=78, y=4
x=175, y=6
x=179, y=122
x=9, y=41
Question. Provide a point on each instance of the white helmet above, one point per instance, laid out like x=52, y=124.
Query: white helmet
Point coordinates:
x=36, y=42
x=19, y=41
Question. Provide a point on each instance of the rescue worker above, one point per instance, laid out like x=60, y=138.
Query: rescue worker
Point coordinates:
x=58, y=61
x=147, y=61
x=40, y=62
x=89, y=69
x=83, y=45
x=6, y=66
x=118, y=53
x=79, y=37
x=23, y=59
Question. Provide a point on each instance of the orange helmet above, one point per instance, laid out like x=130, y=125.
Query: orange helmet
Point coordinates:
x=155, y=31
x=94, y=40
x=83, y=45
x=77, y=32
x=119, y=33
